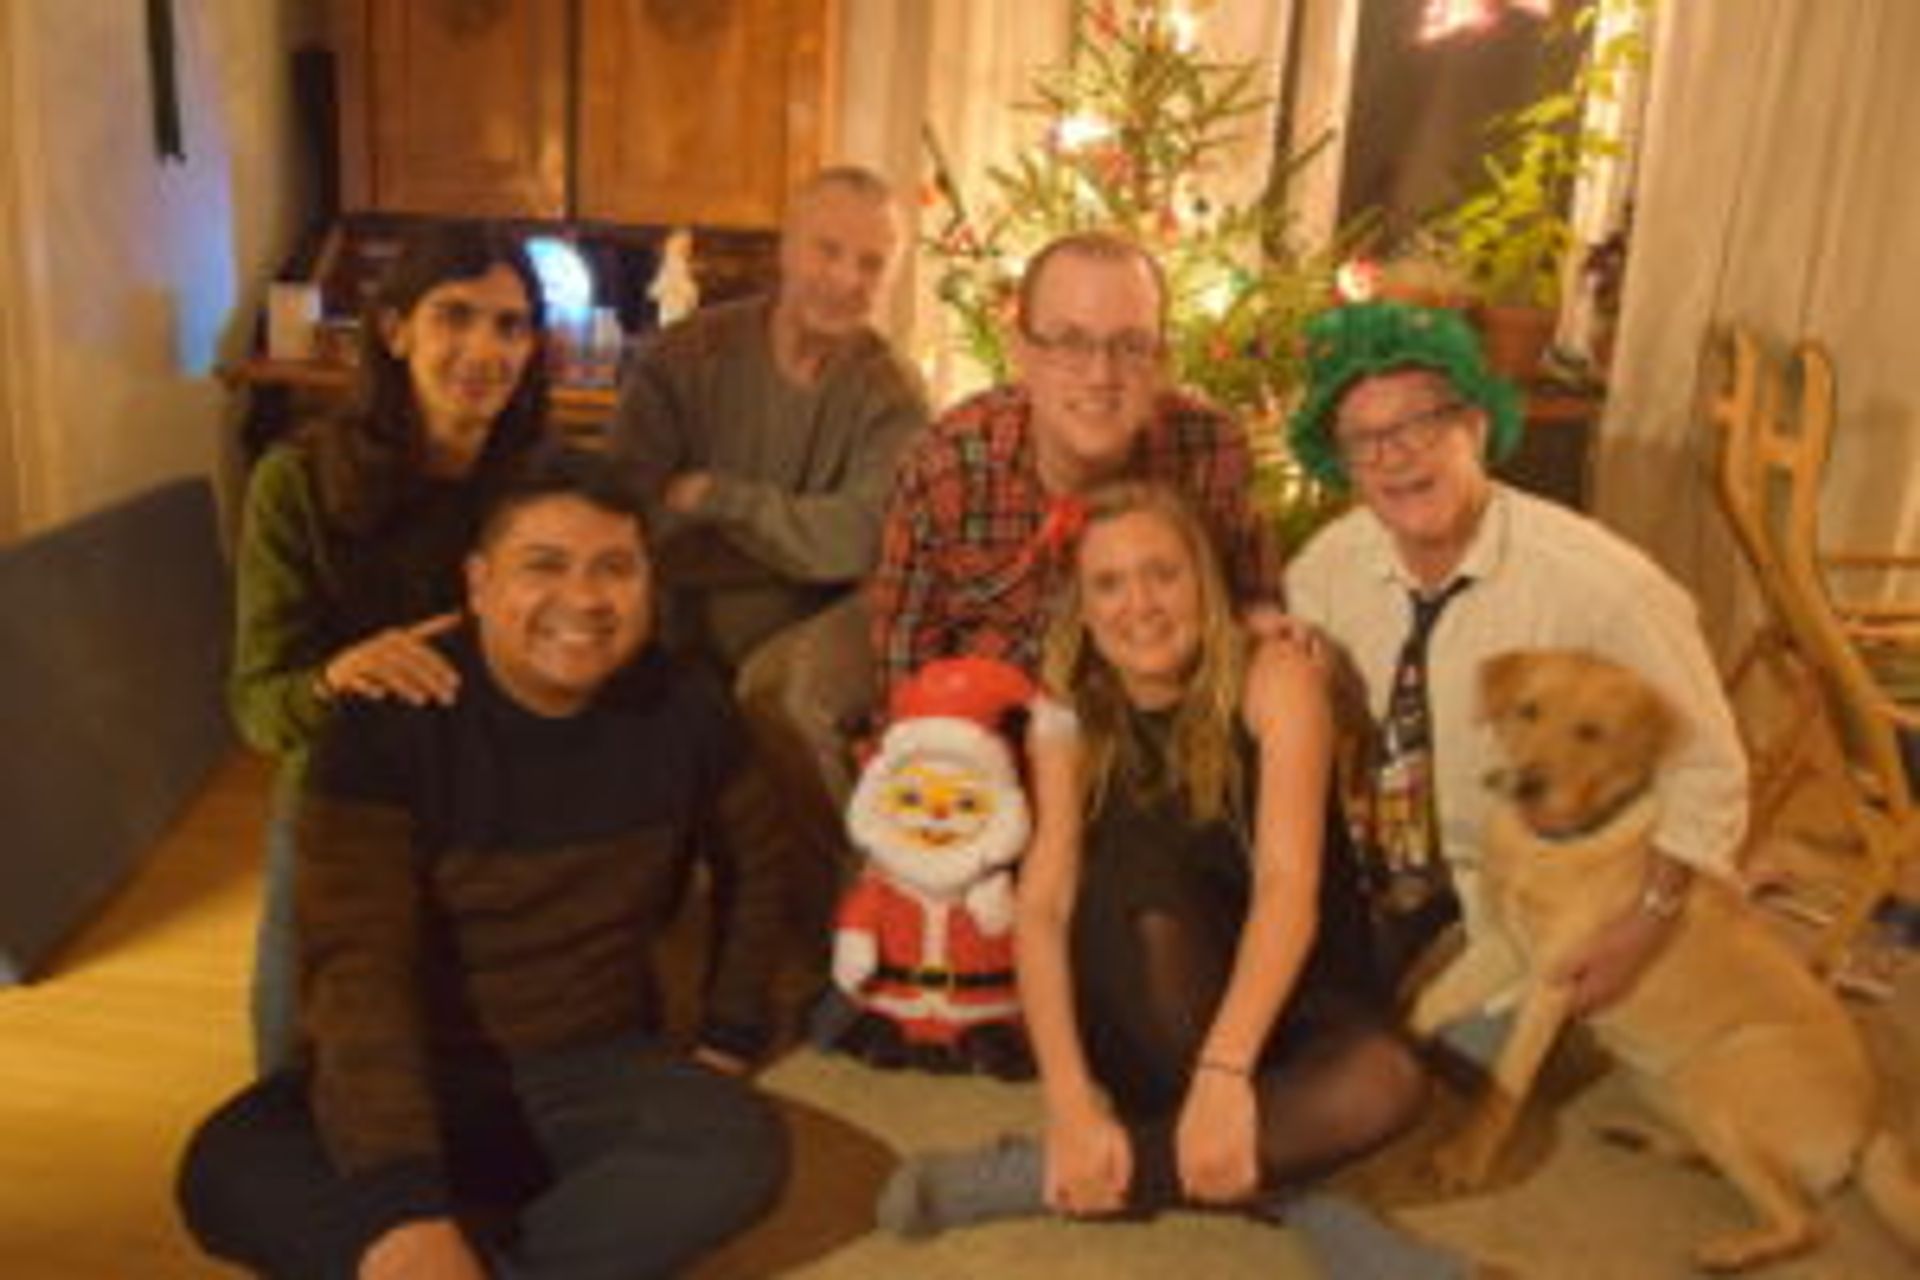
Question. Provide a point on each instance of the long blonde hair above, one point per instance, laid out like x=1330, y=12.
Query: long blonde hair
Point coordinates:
x=1201, y=755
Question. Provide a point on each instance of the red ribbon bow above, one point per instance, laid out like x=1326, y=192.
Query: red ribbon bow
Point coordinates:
x=1061, y=526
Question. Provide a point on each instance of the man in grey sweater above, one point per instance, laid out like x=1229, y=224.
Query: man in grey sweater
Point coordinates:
x=764, y=433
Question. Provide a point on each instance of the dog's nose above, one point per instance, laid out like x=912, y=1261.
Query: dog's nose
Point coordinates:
x=1529, y=784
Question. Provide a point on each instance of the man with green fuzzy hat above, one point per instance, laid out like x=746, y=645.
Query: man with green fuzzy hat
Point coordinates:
x=1440, y=566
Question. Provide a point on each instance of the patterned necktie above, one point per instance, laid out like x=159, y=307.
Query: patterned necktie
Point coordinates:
x=1402, y=838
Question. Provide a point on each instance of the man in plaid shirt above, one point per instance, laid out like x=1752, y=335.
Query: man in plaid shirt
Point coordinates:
x=976, y=534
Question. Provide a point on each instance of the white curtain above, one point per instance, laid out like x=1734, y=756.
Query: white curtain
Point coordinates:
x=959, y=67
x=1781, y=189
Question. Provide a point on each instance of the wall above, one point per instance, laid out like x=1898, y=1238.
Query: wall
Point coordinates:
x=126, y=280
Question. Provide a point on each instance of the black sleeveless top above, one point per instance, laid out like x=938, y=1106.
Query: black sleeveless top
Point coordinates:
x=1159, y=855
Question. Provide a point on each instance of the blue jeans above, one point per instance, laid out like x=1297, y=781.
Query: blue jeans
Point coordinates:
x=607, y=1162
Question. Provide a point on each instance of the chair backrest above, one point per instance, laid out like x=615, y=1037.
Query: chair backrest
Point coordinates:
x=1784, y=471
x=1739, y=389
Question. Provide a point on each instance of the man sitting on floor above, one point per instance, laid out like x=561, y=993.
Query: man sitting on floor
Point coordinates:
x=477, y=889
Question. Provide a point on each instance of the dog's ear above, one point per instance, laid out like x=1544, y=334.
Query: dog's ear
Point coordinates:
x=1500, y=678
x=1657, y=721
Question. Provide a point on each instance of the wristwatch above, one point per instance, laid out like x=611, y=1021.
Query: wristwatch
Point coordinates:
x=1660, y=902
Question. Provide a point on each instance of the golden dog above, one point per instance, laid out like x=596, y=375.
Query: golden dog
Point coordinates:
x=1734, y=1042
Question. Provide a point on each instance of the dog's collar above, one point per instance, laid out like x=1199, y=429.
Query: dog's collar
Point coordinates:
x=1615, y=812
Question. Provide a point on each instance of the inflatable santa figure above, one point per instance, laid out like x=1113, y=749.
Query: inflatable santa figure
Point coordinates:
x=924, y=943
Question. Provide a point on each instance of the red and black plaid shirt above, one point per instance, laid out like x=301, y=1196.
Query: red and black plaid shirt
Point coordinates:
x=964, y=569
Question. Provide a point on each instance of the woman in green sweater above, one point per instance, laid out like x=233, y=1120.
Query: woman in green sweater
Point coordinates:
x=355, y=528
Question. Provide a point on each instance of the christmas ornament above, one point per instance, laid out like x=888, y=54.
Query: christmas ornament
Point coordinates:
x=924, y=942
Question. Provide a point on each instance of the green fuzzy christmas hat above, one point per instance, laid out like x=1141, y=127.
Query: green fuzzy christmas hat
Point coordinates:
x=1348, y=343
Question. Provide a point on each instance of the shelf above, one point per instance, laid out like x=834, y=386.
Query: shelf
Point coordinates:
x=571, y=404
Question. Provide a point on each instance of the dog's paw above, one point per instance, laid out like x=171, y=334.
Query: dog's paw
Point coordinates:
x=1741, y=1250
x=1461, y=1165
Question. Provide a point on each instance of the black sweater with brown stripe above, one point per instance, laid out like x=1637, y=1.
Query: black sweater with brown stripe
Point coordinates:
x=477, y=881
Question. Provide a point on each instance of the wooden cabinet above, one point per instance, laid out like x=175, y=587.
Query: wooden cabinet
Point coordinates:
x=699, y=111
x=652, y=112
x=456, y=107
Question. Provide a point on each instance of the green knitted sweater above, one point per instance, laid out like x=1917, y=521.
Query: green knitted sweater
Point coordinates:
x=305, y=589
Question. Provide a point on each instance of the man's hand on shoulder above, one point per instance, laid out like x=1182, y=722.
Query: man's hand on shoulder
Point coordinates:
x=1267, y=623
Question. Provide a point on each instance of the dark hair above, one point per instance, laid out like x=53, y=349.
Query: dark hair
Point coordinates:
x=1100, y=246
x=559, y=470
x=368, y=461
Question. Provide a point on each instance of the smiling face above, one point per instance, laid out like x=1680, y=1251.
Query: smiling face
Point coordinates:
x=930, y=803
x=1414, y=454
x=939, y=806
x=466, y=344
x=1140, y=601
x=837, y=255
x=563, y=594
x=1089, y=352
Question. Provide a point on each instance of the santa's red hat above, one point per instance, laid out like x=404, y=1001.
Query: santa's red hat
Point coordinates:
x=979, y=689
x=955, y=707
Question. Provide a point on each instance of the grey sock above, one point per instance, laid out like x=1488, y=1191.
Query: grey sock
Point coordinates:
x=1352, y=1242
x=931, y=1192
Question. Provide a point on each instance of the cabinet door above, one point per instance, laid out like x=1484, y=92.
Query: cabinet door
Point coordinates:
x=454, y=107
x=699, y=111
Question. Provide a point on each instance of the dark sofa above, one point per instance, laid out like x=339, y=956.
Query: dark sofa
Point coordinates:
x=113, y=648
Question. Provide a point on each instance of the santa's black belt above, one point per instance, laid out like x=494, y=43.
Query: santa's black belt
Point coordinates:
x=944, y=979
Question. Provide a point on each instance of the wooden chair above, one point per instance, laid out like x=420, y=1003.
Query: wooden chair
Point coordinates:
x=1767, y=667
x=1840, y=648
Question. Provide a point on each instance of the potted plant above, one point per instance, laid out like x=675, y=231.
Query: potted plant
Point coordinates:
x=1510, y=236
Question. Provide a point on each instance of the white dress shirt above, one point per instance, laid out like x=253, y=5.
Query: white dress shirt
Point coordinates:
x=1544, y=577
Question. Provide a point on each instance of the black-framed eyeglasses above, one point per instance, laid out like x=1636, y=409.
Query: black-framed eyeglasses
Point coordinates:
x=1414, y=434
x=1077, y=349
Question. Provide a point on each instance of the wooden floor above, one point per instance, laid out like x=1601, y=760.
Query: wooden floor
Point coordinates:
x=138, y=1029
x=101, y=1075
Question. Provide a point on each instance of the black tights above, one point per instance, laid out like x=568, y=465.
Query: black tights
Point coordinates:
x=1333, y=1082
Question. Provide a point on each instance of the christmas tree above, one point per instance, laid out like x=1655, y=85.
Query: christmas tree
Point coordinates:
x=1138, y=124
